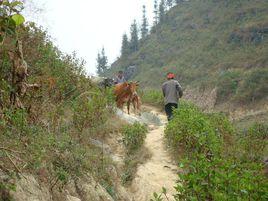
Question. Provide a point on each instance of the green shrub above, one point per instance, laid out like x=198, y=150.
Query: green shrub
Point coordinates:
x=254, y=86
x=221, y=178
x=223, y=127
x=152, y=97
x=90, y=110
x=210, y=172
x=227, y=85
x=255, y=142
x=191, y=130
x=134, y=136
x=133, y=140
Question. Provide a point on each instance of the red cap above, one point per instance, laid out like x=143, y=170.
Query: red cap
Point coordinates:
x=170, y=75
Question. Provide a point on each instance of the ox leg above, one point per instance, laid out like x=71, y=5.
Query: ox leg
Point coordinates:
x=139, y=106
x=134, y=106
x=128, y=107
x=119, y=105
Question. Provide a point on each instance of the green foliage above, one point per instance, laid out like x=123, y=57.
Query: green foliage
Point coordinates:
x=227, y=85
x=253, y=87
x=102, y=62
x=18, y=19
x=223, y=127
x=10, y=18
x=134, y=136
x=134, y=39
x=5, y=188
x=221, y=179
x=130, y=165
x=159, y=197
x=62, y=175
x=218, y=164
x=16, y=117
x=255, y=142
x=152, y=97
x=155, y=12
x=90, y=110
x=133, y=140
x=192, y=130
x=58, y=147
x=144, y=27
x=162, y=11
x=125, y=46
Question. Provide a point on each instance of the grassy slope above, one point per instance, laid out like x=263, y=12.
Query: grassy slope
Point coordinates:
x=50, y=138
x=208, y=44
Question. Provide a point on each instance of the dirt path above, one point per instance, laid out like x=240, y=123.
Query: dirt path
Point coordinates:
x=159, y=171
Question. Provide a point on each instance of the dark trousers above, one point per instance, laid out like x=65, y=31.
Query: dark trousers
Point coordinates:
x=169, y=110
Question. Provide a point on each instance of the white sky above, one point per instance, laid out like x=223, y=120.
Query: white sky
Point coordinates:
x=85, y=26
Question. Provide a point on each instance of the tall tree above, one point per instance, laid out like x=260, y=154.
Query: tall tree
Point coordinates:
x=99, y=68
x=144, y=27
x=134, y=40
x=125, y=46
x=155, y=12
x=102, y=62
x=162, y=11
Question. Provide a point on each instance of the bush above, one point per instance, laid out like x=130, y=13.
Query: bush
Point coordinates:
x=210, y=173
x=221, y=178
x=227, y=85
x=191, y=130
x=253, y=88
x=254, y=142
x=134, y=136
x=133, y=140
x=224, y=128
x=152, y=97
x=90, y=110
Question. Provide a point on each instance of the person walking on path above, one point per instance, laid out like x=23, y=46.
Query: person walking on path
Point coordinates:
x=120, y=78
x=172, y=91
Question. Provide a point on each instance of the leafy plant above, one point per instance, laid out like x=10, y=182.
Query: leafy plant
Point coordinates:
x=252, y=88
x=134, y=136
x=133, y=140
x=159, y=197
x=227, y=85
x=221, y=179
x=214, y=167
x=10, y=18
x=192, y=130
x=152, y=97
x=90, y=110
x=254, y=142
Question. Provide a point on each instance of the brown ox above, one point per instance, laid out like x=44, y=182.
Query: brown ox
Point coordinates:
x=136, y=102
x=125, y=93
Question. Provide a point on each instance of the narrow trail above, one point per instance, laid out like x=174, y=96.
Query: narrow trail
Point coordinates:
x=158, y=171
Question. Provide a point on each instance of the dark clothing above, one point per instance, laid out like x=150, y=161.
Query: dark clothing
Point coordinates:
x=172, y=91
x=169, y=110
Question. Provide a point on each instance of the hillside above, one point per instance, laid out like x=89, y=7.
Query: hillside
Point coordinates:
x=53, y=120
x=208, y=44
x=63, y=139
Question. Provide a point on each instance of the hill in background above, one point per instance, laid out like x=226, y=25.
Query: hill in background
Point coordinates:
x=220, y=45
